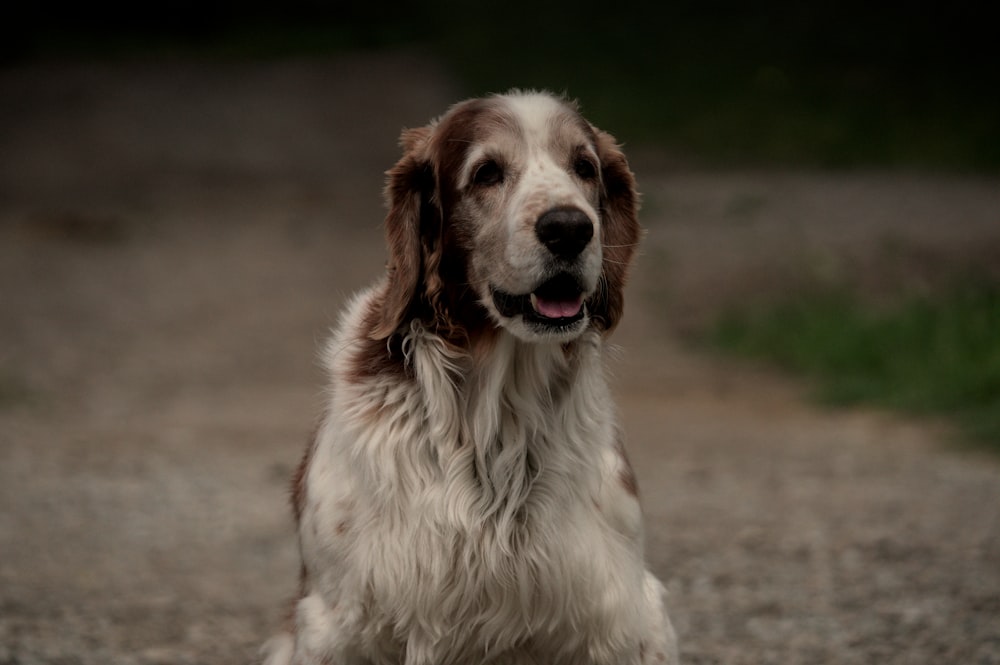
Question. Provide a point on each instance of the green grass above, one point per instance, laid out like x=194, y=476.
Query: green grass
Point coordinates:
x=935, y=355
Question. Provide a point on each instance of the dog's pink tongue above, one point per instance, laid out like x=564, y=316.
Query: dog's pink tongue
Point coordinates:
x=557, y=309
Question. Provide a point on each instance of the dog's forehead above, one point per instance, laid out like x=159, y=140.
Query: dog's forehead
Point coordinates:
x=548, y=122
x=511, y=124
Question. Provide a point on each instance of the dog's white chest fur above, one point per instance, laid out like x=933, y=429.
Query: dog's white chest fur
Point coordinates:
x=483, y=528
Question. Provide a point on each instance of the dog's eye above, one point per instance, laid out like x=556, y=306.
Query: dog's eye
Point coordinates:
x=584, y=168
x=488, y=174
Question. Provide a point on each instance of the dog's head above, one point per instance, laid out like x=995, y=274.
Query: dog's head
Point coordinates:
x=509, y=211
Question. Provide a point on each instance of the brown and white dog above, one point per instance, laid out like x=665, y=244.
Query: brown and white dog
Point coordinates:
x=467, y=498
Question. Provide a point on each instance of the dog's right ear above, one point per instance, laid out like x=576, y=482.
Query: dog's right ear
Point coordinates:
x=620, y=231
x=408, y=192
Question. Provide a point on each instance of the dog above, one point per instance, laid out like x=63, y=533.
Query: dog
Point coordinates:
x=466, y=498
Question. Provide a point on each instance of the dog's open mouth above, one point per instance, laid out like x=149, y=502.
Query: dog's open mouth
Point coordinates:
x=557, y=303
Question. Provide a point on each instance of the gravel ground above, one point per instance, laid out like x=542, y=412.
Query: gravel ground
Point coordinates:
x=175, y=240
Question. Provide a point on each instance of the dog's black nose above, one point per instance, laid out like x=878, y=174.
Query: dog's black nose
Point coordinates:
x=565, y=231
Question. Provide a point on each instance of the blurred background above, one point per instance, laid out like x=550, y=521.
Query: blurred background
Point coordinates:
x=808, y=372
x=842, y=84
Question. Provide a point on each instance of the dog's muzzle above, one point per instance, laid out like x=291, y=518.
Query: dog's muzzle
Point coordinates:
x=556, y=303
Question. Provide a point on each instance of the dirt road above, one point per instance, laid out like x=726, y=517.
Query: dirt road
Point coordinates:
x=175, y=240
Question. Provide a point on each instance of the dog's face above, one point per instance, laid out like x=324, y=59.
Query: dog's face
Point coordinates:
x=528, y=193
x=517, y=204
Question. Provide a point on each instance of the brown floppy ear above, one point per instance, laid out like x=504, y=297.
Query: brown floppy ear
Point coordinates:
x=407, y=193
x=620, y=231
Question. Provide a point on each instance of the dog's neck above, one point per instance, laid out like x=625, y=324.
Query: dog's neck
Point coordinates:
x=516, y=407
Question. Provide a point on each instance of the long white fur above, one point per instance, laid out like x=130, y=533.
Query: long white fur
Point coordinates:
x=472, y=512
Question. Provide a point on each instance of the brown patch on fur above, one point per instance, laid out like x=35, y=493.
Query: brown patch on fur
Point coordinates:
x=620, y=231
x=298, y=489
x=372, y=356
x=342, y=527
x=427, y=273
x=457, y=315
x=626, y=475
x=482, y=345
x=292, y=606
x=298, y=496
x=407, y=195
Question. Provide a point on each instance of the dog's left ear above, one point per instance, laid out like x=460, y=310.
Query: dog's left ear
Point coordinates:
x=407, y=195
x=620, y=231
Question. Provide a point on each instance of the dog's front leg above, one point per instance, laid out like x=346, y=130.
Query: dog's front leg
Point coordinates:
x=324, y=635
x=660, y=644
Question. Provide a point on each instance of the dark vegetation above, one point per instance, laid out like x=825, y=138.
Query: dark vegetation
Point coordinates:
x=834, y=85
